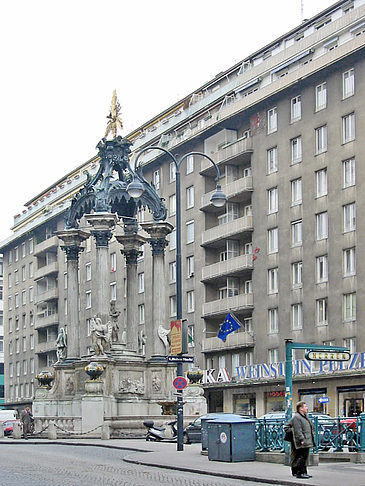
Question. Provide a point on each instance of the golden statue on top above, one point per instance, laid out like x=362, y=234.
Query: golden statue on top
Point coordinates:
x=114, y=120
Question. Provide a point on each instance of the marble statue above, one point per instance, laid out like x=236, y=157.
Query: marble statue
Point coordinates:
x=163, y=334
x=61, y=345
x=101, y=335
x=114, y=314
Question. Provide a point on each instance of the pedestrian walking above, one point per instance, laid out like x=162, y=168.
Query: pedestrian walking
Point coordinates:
x=26, y=419
x=303, y=440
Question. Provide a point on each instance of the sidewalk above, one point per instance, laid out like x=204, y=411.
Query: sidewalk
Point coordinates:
x=165, y=455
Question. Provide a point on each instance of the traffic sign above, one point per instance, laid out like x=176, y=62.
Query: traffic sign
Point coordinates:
x=327, y=355
x=323, y=400
x=180, y=383
x=180, y=359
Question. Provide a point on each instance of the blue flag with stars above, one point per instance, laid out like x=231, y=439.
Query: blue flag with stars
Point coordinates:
x=229, y=325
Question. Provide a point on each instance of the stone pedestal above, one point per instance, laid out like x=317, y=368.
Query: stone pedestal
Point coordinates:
x=195, y=403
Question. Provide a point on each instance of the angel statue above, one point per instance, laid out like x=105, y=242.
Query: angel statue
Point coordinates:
x=61, y=345
x=101, y=335
x=163, y=334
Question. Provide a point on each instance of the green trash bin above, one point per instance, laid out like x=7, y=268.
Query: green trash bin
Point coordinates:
x=231, y=439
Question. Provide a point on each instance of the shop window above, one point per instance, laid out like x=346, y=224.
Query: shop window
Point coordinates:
x=275, y=401
x=311, y=396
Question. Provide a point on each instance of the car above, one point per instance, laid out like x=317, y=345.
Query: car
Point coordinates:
x=193, y=434
x=8, y=426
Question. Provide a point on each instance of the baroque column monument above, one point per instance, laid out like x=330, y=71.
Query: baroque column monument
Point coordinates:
x=125, y=387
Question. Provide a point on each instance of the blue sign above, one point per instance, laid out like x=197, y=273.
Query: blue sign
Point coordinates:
x=323, y=399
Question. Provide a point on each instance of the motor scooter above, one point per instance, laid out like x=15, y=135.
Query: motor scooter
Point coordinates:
x=159, y=434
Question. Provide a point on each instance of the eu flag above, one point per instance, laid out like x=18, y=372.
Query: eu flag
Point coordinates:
x=229, y=325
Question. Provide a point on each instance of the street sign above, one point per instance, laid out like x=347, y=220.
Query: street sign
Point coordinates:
x=180, y=383
x=176, y=337
x=327, y=356
x=323, y=400
x=180, y=359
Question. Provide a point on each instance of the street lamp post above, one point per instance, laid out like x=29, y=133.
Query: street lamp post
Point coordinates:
x=218, y=199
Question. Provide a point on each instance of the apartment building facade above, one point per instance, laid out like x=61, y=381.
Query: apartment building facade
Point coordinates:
x=284, y=127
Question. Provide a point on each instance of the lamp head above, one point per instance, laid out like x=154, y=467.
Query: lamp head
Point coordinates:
x=218, y=198
x=135, y=189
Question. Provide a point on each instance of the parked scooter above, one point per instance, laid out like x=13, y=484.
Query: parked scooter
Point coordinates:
x=158, y=434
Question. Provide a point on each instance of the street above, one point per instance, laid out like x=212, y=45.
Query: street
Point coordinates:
x=60, y=465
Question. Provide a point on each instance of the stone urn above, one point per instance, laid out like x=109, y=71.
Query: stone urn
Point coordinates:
x=94, y=370
x=194, y=376
x=45, y=379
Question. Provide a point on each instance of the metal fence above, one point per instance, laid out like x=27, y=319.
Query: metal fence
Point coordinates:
x=336, y=434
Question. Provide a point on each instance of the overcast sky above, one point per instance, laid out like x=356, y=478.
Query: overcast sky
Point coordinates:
x=61, y=61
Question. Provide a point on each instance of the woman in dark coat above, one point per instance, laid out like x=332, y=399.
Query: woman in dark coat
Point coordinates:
x=303, y=440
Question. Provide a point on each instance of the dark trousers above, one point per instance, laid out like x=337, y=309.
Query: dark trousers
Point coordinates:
x=299, y=460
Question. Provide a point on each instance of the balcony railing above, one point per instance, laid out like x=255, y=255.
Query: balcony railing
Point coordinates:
x=234, y=340
x=48, y=320
x=48, y=295
x=227, y=230
x=230, y=153
x=46, y=270
x=230, y=190
x=46, y=245
x=228, y=267
x=223, y=306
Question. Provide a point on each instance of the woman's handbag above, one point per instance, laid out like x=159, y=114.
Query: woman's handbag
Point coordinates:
x=288, y=433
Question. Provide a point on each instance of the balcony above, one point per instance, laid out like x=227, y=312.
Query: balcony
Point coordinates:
x=45, y=347
x=50, y=269
x=234, y=340
x=227, y=230
x=230, y=304
x=46, y=245
x=233, y=266
x=47, y=320
x=234, y=191
x=235, y=152
x=51, y=294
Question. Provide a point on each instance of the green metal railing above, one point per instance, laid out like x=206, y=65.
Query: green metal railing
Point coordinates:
x=336, y=434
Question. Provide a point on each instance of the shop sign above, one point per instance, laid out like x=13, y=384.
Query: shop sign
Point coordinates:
x=175, y=337
x=323, y=399
x=325, y=356
x=301, y=367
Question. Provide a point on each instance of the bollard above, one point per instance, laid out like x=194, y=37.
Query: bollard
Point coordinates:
x=105, y=432
x=17, y=430
x=1, y=431
x=51, y=431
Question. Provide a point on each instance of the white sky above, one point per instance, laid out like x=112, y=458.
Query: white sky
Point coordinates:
x=61, y=60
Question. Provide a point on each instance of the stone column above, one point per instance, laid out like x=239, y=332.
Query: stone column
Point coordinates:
x=158, y=242
x=72, y=240
x=131, y=252
x=102, y=226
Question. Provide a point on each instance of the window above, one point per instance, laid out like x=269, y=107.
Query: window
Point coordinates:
x=173, y=240
x=296, y=192
x=296, y=233
x=88, y=245
x=16, y=276
x=191, y=340
x=16, y=300
x=156, y=179
x=321, y=182
x=172, y=172
x=88, y=299
x=349, y=307
x=10, y=324
x=273, y=355
x=88, y=271
x=321, y=311
x=235, y=363
x=190, y=164
x=321, y=96
x=297, y=274
x=172, y=272
x=247, y=324
x=24, y=343
x=113, y=262
x=17, y=323
x=348, y=83
x=272, y=160
x=322, y=268
x=348, y=173
x=65, y=304
x=321, y=139
x=17, y=367
x=273, y=200
x=141, y=315
x=172, y=204
x=173, y=306
x=232, y=250
x=30, y=245
x=24, y=297
x=11, y=370
x=351, y=344
x=24, y=274
x=9, y=280
x=272, y=120
x=10, y=257
x=10, y=347
x=113, y=291
x=247, y=249
x=273, y=280
x=31, y=362
x=191, y=301
x=189, y=232
x=296, y=108
x=273, y=320
x=247, y=287
x=17, y=345
x=189, y=197
x=221, y=361
x=16, y=254
x=297, y=316
x=232, y=213
x=190, y=265
x=349, y=217
x=322, y=225
x=349, y=262
x=23, y=250
x=30, y=269
x=296, y=150
x=140, y=283
x=273, y=240
x=31, y=294
x=10, y=305
x=348, y=128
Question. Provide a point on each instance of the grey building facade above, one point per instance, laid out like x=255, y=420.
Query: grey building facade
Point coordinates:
x=284, y=127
